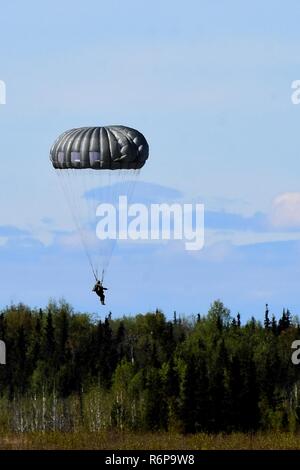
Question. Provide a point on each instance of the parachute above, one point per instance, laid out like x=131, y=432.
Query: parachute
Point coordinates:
x=95, y=165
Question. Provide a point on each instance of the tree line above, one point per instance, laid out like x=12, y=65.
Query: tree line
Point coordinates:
x=211, y=373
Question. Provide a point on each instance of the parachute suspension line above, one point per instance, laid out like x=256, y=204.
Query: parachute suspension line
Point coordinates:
x=119, y=182
x=79, y=204
x=78, y=207
x=71, y=200
x=135, y=174
x=106, y=187
x=129, y=190
x=104, y=192
x=97, y=187
x=109, y=193
x=68, y=195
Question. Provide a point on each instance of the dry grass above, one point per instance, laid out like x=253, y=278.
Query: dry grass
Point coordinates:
x=154, y=441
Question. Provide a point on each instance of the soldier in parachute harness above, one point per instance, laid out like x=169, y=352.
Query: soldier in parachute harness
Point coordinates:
x=99, y=289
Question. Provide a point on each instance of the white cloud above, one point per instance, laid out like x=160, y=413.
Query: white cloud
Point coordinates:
x=285, y=211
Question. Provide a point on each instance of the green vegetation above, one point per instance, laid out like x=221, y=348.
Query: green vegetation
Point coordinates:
x=112, y=440
x=69, y=376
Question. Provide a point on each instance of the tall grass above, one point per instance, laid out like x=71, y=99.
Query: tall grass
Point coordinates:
x=110, y=440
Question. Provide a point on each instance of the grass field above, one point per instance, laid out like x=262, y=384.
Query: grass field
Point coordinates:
x=149, y=441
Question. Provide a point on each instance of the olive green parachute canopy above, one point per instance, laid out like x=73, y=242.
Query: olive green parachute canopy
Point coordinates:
x=100, y=148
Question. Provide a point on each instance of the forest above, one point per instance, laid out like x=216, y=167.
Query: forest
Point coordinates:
x=68, y=371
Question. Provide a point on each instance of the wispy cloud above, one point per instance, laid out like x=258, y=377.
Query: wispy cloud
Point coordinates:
x=12, y=231
x=285, y=212
x=137, y=191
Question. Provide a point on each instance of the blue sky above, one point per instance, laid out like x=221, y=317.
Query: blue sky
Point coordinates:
x=209, y=85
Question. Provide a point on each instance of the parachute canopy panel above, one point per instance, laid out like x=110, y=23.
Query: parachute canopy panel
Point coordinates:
x=100, y=148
